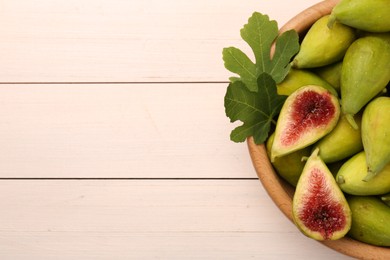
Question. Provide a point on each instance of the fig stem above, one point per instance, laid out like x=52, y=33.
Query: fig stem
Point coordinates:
x=331, y=21
x=369, y=176
x=351, y=121
x=384, y=198
x=340, y=179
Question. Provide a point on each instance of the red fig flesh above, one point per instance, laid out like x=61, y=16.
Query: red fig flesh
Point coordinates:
x=320, y=209
x=308, y=114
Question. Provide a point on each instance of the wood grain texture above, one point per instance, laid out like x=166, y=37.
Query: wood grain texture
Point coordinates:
x=150, y=132
x=147, y=220
x=125, y=41
x=118, y=131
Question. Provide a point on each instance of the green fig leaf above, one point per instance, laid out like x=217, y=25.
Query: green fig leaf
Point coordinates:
x=260, y=33
x=255, y=109
x=286, y=46
x=236, y=61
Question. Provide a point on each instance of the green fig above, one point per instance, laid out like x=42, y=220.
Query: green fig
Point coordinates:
x=376, y=135
x=370, y=222
x=320, y=209
x=350, y=177
x=367, y=15
x=289, y=167
x=364, y=74
x=385, y=36
x=322, y=46
x=307, y=115
x=344, y=141
x=297, y=78
x=331, y=73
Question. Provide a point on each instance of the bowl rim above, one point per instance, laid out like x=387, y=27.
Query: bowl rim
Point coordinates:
x=279, y=190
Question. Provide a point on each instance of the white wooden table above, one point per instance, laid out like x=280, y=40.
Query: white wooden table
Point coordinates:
x=113, y=139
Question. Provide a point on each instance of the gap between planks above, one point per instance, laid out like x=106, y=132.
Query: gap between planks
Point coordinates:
x=128, y=179
x=114, y=82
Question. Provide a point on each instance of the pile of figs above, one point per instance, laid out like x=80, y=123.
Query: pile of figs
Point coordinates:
x=332, y=137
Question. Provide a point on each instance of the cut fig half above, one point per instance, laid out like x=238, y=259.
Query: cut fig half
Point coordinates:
x=307, y=115
x=320, y=209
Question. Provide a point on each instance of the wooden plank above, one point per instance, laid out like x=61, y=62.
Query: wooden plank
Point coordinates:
x=122, y=130
x=147, y=219
x=125, y=41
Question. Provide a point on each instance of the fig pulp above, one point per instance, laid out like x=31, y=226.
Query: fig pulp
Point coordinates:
x=320, y=209
x=307, y=115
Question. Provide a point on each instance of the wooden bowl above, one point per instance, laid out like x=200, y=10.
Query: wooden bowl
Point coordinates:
x=278, y=189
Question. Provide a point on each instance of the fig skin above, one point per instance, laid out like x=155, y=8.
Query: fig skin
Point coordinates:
x=370, y=222
x=322, y=46
x=297, y=129
x=350, y=177
x=376, y=135
x=364, y=74
x=297, y=78
x=331, y=74
x=289, y=167
x=366, y=15
x=344, y=141
x=320, y=209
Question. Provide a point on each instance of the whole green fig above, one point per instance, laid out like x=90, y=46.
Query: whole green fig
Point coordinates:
x=376, y=135
x=342, y=142
x=367, y=15
x=322, y=46
x=350, y=177
x=331, y=74
x=364, y=74
x=370, y=221
x=297, y=78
